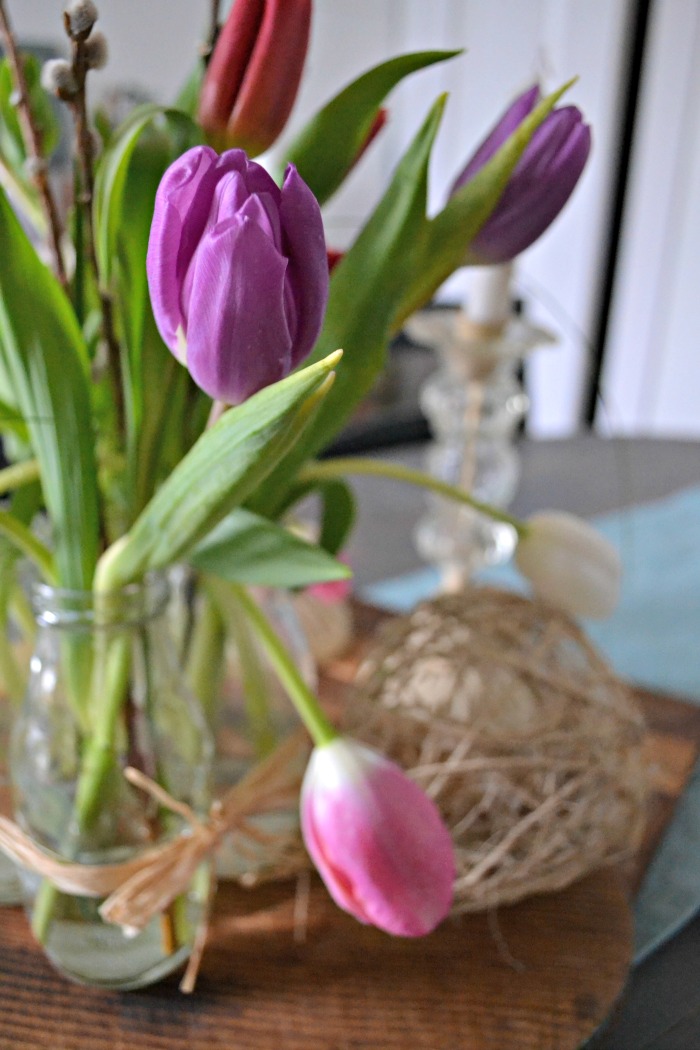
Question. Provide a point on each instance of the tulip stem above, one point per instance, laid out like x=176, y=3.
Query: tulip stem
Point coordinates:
x=338, y=468
x=18, y=474
x=307, y=705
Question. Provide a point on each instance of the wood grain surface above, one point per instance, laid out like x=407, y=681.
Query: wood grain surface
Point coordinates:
x=541, y=975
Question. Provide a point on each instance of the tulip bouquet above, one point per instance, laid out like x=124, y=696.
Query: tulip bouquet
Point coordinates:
x=168, y=356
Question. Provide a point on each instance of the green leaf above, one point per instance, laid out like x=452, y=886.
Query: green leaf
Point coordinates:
x=188, y=96
x=11, y=421
x=399, y=259
x=111, y=203
x=338, y=510
x=42, y=107
x=26, y=543
x=44, y=358
x=221, y=470
x=366, y=288
x=130, y=172
x=328, y=146
x=245, y=548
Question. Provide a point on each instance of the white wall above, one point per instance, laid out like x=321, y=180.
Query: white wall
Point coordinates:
x=652, y=377
x=151, y=42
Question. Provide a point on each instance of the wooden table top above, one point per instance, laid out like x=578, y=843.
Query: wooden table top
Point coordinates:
x=541, y=975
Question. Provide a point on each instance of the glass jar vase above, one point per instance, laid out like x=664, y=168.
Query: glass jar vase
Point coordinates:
x=254, y=714
x=10, y=887
x=105, y=691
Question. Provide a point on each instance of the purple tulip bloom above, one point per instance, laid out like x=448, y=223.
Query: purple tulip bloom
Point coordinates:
x=540, y=185
x=377, y=840
x=237, y=271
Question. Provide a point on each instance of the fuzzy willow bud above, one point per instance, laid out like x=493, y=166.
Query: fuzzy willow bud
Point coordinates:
x=95, y=51
x=57, y=78
x=81, y=16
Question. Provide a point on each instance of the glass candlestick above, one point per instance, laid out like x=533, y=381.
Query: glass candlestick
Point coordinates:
x=475, y=403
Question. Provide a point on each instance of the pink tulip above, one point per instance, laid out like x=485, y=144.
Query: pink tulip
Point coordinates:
x=377, y=840
x=253, y=76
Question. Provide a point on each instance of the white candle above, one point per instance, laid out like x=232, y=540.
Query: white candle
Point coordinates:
x=488, y=300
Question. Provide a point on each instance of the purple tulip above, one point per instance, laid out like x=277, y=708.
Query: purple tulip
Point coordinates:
x=540, y=185
x=377, y=840
x=237, y=271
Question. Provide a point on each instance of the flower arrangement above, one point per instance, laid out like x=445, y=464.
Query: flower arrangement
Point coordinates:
x=170, y=370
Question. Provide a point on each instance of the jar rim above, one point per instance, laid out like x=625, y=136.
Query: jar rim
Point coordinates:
x=136, y=602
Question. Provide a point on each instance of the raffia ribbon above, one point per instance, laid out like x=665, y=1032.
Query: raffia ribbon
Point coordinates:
x=139, y=889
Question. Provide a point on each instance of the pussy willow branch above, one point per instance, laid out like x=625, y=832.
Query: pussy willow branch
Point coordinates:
x=214, y=30
x=33, y=145
x=84, y=152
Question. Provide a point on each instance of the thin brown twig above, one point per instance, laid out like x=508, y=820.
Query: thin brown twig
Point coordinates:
x=84, y=152
x=33, y=145
x=214, y=30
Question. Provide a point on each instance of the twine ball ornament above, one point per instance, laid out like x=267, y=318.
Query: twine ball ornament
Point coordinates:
x=503, y=711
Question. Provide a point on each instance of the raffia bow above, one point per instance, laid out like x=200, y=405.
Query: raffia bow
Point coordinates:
x=137, y=890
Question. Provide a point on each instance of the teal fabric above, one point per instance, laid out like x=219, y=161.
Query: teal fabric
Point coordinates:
x=653, y=639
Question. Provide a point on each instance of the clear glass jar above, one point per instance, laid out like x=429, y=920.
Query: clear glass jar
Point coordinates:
x=254, y=714
x=106, y=691
x=10, y=886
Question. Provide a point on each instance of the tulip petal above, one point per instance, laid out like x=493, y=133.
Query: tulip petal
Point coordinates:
x=272, y=76
x=254, y=72
x=539, y=188
x=570, y=564
x=540, y=185
x=238, y=338
x=228, y=62
x=237, y=271
x=179, y=216
x=376, y=839
x=305, y=245
x=509, y=122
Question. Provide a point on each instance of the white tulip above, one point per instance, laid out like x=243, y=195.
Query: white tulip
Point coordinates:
x=570, y=564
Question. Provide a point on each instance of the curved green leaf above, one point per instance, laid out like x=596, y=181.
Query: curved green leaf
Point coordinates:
x=11, y=421
x=219, y=472
x=24, y=540
x=328, y=146
x=365, y=290
x=338, y=509
x=111, y=178
x=43, y=356
x=128, y=177
x=245, y=548
x=397, y=262
x=12, y=145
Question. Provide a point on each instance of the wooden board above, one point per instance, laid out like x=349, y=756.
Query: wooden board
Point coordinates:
x=541, y=975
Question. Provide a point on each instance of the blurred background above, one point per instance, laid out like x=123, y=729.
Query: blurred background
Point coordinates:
x=615, y=277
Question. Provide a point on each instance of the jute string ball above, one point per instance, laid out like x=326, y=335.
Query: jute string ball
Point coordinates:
x=503, y=711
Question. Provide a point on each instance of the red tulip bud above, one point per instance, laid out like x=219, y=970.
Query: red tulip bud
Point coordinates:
x=377, y=124
x=253, y=77
x=334, y=257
